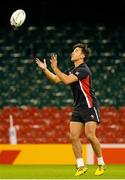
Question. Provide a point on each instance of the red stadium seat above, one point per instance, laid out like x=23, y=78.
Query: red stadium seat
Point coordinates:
x=51, y=125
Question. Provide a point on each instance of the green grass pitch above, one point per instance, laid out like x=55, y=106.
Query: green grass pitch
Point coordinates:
x=58, y=172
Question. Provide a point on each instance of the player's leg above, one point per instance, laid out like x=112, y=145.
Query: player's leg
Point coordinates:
x=90, y=129
x=90, y=132
x=76, y=129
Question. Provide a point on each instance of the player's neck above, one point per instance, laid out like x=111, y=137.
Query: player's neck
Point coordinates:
x=77, y=63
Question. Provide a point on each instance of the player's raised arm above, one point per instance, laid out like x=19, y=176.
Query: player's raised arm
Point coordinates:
x=51, y=76
x=66, y=79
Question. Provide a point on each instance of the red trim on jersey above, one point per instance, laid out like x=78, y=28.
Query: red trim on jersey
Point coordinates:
x=86, y=88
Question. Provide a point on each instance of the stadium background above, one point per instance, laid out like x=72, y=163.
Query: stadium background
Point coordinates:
x=41, y=110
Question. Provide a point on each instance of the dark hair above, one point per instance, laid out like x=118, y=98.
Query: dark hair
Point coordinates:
x=86, y=51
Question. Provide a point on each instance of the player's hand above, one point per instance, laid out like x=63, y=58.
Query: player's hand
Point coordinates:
x=41, y=64
x=53, y=60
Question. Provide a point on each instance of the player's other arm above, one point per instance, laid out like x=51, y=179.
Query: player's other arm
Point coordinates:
x=51, y=76
x=66, y=79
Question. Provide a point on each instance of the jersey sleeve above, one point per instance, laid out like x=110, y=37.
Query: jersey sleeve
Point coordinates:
x=81, y=73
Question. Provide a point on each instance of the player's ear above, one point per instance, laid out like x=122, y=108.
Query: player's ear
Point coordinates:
x=82, y=56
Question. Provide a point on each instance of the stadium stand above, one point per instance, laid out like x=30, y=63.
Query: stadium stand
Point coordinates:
x=42, y=110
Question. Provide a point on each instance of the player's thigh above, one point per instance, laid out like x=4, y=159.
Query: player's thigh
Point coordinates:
x=76, y=129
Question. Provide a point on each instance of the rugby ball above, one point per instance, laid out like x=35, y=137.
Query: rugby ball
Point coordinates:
x=17, y=18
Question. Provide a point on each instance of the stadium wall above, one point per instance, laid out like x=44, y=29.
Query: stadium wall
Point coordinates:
x=58, y=154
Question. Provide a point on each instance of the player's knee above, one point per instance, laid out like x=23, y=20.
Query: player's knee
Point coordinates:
x=74, y=137
x=90, y=136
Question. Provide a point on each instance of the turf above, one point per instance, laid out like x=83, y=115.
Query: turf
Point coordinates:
x=57, y=172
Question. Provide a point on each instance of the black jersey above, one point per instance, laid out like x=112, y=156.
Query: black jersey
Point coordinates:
x=83, y=93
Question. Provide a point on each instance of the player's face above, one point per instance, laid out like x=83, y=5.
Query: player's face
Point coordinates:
x=77, y=54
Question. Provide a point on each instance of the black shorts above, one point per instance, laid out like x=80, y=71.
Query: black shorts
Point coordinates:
x=86, y=115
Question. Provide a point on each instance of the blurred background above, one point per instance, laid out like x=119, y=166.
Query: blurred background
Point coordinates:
x=40, y=109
